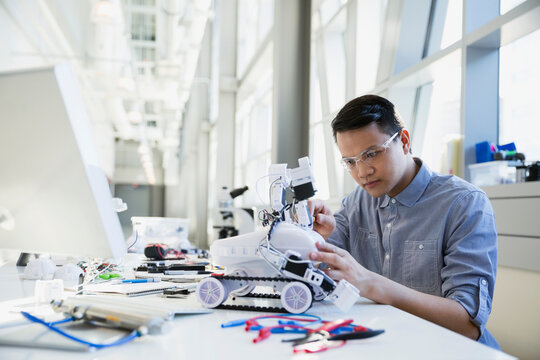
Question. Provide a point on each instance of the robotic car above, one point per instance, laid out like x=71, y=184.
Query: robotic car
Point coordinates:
x=277, y=258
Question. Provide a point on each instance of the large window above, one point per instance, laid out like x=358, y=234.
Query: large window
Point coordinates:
x=255, y=19
x=253, y=142
x=333, y=43
x=370, y=26
x=452, y=24
x=507, y=5
x=253, y=126
x=327, y=93
x=441, y=130
x=519, y=119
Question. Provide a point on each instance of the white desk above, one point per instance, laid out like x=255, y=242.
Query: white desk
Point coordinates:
x=201, y=337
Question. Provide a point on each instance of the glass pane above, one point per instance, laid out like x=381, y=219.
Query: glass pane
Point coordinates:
x=441, y=141
x=247, y=32
x=143, y=26
x=255, y=19
x=329, y=8
x=212, y=164
x=318, y=161
x=260, y=128
x=237, y=144
x=370, y=29
x=452, y=23
x=518, y=83
x=256, y=179
x=144, y=2
x=338, y=169
x=507, y=5
x=266, y=19
x=334, y=53
x=253, y=141
x=315, y=110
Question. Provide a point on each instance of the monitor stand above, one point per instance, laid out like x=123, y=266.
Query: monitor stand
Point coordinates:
x=24, y=258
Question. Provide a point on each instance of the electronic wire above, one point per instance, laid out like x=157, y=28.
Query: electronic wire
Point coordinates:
x=136, y=238
x=92, y=274
x=257, y=185
x=51, y=326
x=273, y=219
x=271, y=249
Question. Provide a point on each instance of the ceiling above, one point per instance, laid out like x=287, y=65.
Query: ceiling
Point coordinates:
x=136, y=61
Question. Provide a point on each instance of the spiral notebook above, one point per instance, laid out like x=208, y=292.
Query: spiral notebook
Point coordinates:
x=128, y=289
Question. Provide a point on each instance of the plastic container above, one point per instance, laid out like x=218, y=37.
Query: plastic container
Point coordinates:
x=172, y=232
x=484, y=152
x=493, y=173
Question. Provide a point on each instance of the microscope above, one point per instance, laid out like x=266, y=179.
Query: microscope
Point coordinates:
x=233, y=220
x=276, y=257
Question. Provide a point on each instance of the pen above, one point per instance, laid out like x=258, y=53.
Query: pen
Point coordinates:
x=133, y=281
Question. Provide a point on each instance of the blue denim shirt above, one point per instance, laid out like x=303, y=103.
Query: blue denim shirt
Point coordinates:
x=437, y=236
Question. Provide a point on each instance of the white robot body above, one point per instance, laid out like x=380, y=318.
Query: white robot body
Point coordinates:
x=243, y=251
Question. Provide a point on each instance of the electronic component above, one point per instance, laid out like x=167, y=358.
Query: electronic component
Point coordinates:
x=161, y=252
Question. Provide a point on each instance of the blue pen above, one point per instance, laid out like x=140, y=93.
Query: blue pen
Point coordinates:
x=133, y=281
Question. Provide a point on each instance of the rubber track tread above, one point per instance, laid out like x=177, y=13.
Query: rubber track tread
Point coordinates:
x=273, y=309
x=254, y=278
x=252, y=308
x=262, y=296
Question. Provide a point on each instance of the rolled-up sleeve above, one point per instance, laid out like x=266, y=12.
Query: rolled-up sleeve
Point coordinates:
x=470, y=259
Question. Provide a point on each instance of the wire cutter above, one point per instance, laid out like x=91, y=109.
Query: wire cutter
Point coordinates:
x=321, y=339
x=320, y=333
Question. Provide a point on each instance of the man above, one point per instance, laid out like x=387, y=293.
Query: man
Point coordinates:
x=406, y=236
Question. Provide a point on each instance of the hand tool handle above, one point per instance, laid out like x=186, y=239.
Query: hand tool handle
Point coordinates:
x=356, y=335
x=333, y=325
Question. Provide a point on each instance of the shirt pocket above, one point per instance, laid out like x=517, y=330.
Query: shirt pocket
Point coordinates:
x=366, y=250
x=420, y=269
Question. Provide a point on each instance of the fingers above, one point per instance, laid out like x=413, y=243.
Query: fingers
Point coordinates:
x=325, y=220
x=321, y=230
x=311, y=205
x=330, y=248
x=334, y=274
x=333, y=260
x=317, y=206
x=324, y=225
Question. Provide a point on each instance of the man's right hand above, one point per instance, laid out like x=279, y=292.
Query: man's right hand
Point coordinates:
x=324, y=222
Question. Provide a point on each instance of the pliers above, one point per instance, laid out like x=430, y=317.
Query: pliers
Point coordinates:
x=320, y=333
x=320, y=339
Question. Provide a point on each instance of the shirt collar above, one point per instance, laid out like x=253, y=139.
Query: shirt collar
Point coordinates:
x=410, y=195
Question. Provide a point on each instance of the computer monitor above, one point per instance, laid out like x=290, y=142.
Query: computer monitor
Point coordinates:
x=54, y=196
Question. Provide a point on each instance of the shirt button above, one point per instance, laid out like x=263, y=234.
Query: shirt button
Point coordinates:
x=388, y=225
x=484, y=282
x=387, y=256
x=421, y=246
x=393, y=201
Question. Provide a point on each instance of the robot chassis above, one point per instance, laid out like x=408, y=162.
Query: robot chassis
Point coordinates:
x=276, y=258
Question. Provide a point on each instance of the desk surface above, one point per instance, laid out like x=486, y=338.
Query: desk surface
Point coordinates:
x=201, y=337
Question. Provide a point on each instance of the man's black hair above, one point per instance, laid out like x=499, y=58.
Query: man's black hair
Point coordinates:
x=365, y=110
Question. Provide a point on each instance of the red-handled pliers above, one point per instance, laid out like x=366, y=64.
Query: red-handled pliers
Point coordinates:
x=320, y=333
x=320, y=339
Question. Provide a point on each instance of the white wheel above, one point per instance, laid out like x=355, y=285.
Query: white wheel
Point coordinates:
x=244, y=290
x=296, y=297
x=211, y=292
